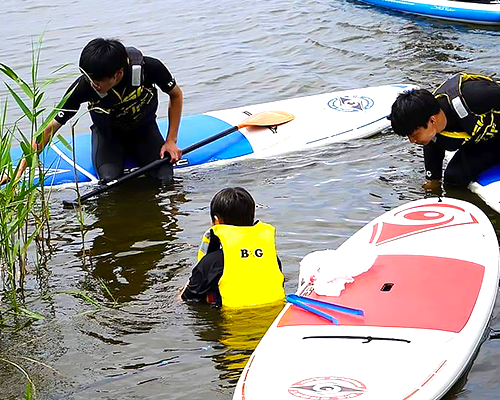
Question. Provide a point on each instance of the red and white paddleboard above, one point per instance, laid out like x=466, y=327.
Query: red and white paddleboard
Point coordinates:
x=427, y=298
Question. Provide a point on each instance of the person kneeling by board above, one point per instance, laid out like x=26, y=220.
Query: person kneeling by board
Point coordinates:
x=462, y=114
x=238, y=265
x=120, y=86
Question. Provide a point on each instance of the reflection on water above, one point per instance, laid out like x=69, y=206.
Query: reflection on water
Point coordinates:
x=134, y=234
x=239, y=331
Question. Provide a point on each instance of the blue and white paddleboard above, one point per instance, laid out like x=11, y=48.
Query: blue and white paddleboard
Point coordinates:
x=487, y=187
x=487, y=184
x=319, y=120
x=478, y=12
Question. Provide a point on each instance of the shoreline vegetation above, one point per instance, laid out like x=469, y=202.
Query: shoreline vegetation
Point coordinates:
x=25, y=246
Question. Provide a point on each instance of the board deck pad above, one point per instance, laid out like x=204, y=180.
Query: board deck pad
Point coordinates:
x=427, y=293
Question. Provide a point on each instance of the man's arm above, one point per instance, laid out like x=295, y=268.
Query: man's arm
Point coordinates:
x=80, y=92
x=157, y=73
x=48, y=133
x=174, y=120
x=433, y=160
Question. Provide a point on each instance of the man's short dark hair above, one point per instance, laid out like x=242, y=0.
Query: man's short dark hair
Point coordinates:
x=412, y=110
x=102, y=58
x=235, y=206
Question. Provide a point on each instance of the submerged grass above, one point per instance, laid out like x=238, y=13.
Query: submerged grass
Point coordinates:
x=24, y=210
x=25, y=237
x=30, y=392
x=24, y=201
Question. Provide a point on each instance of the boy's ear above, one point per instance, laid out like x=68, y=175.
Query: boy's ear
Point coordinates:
x=217, y=220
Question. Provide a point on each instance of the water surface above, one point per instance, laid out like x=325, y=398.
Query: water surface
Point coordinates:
x=143, y=238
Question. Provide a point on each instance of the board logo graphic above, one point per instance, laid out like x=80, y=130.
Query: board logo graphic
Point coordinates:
x=351, y=103
x=419, y=219
x=327, y=388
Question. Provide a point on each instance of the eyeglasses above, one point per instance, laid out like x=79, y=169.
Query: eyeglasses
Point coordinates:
x=87, y=77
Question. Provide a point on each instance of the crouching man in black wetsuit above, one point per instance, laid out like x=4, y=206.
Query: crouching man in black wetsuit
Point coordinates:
x=118, y=84
x=462, y=114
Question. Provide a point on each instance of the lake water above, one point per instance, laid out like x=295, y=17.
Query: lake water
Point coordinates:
x=143, y=239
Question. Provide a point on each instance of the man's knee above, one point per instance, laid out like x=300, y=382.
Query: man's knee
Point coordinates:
x=109, y=172
x=456, y=177
x=165, y=173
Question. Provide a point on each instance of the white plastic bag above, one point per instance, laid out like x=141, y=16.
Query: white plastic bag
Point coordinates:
x=330, y=270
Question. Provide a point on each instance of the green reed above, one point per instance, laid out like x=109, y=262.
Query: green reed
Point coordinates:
x=24, y=202
x=24, y=205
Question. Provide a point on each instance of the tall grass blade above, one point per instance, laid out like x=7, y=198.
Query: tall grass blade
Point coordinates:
x=53, y=113
x=12, y=75
x=27, y=112
x=66, y=144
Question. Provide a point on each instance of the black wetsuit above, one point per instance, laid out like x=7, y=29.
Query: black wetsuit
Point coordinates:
x=472, y=157
x=116, y=138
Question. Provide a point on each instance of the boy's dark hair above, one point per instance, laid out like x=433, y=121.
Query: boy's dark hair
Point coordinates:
x=234, y=205
x=102, y=58
x=412, y=110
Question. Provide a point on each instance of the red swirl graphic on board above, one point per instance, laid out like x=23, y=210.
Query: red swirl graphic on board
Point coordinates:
x=327, y=388
x=418, y=219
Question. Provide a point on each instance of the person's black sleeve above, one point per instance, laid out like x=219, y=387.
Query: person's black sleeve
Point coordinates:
x=205, y=276
x=481, y=96
x=433, y=161
x=157, y=73
x=82, y=92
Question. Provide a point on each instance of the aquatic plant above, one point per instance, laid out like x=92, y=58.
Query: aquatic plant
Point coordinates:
x=24, y=205
x=30, y=392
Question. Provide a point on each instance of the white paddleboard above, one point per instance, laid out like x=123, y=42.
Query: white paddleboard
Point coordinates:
x=427, y=299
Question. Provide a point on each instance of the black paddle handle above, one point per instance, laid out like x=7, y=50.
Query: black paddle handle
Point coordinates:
x=155, y=164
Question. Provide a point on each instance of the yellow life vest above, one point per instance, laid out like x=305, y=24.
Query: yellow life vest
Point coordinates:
x=479, y=126
x=205, y=242
x=251, y=274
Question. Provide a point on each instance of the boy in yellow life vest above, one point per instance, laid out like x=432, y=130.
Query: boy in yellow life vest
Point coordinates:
x=237, y=262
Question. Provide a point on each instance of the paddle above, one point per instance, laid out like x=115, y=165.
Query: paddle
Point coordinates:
x=306, y=303
x=264, y=118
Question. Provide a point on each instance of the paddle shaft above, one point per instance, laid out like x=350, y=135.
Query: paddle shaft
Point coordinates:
x=301, y=304
x=155, y=164
x=325, y=304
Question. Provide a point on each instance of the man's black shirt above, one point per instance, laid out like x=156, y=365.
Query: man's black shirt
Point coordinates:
x=155, y=73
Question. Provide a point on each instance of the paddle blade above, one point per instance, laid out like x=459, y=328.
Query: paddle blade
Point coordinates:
x=267, y=118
